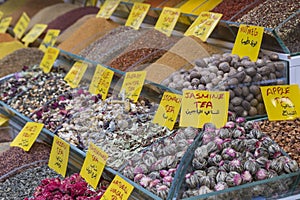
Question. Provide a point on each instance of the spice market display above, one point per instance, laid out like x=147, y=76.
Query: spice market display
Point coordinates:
x=94, y=105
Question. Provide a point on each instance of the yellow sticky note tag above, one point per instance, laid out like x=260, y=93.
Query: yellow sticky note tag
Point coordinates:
x=248, y=41
x=3, y=119
x=59, y=156
x=137, y=15
x=27, y=135
x=101, y=81
x=168, y=110
x=133, y=85
x=281, y=101
x=21, y=25
x=4, y=24
x=204, y=25
x=34, y=33
x=49, y=39
x=119, y=189
x=107, y=9
x=167, y=20
x=75, y=74
x=48, y=59
x=200, y=107
x=93, y=165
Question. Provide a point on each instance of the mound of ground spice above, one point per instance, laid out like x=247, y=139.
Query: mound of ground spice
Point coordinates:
x=87, y=33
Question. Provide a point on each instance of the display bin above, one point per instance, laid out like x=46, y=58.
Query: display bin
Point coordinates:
x=276, y=187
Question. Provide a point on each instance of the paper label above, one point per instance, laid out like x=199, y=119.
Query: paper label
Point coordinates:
x=48, y=59
x=59, y=156
x=204, y=25
x=133, y=85
x=167, y=20
x=49, y=39
x=3, y=119
x=75, y=74
x=119, y=189
x=248, y=41
x=200, y=107
x=5, y=22
x=108, y=9
x=168, y=110
x=281, y=101
x=27, y=135
x=34, y=33
x=101, y=81
x=93, y=165
x=21, y=25
x=137, y=15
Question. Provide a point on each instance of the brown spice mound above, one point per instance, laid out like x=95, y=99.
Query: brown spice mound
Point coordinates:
x=15, y=61
x=5, y=37
x=17, y=157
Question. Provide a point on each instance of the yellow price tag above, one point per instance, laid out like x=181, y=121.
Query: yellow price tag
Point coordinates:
x=101, y=81
x=248, y=41
x=167, y=20
x=34, y=33
x=75, y=74
x=49, y=39
x=48, y=59
x=21, y=25
x=5, y=22
x=119, y=189
x=108, y=9
x=204, y=25
x=3, y=119
x=133, y=85
x=59, y=156
x=168, y=110
x=281, y=101
x=27, y=135
x=93, y=165
x=137, y=15
x=200, y=107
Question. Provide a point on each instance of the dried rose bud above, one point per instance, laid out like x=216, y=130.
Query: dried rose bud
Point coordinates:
x=246, y=176
x=261, y=174
x=145, y=181
x=221, y=186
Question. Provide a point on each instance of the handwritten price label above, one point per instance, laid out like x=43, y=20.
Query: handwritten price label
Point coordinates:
x=168, y=110
x=101, y=81
x=34, y=33
x=133, y=84
x=137, y=15
x=27, y=135
x=93, y=165
x=75, y=74
x=3, y=119
x=59, y=156
x=49, y=39
x=108, y=9
x=167, y=20
x=248, y=41
x=119, y=189
x=281, y=101
x=200, y=107
x=5, y=22
x=21, y=25
x=204, y=25
x=48, y=59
